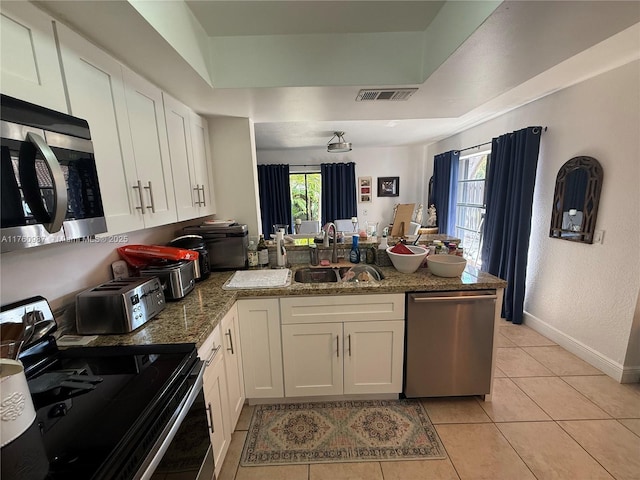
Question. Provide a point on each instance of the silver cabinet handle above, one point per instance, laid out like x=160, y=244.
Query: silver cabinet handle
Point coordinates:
x=204, y=198
x=152, y=206
x=141, y=207
x=230, y=341
x=338, y=346
x=212, y=355
x=197, y=189
x=467, y=298
x=349, y=338
x=60, y=187
x=210, y=415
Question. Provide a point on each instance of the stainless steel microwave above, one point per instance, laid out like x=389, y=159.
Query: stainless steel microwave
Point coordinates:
x=49, y=182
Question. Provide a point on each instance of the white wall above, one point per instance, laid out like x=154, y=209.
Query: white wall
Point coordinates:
x=59, y=271
x=235, y=173
x=403, y=162
x=583, y=296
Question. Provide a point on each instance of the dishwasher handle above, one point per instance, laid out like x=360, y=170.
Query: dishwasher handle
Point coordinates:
x=456, y=299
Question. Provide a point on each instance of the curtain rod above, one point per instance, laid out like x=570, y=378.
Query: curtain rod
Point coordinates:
x=544, y=129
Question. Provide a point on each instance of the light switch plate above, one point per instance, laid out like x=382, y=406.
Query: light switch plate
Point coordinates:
x=598, y=236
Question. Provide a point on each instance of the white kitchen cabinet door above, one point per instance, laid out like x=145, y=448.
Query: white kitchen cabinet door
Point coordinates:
x=30, y=70
x=185, y=187
x=233, y=365
x=217, y=401
x=261, y=347
x=150, y=149
x=373, y=357
x=202, y=164
x=96, y=93
x=313, y=356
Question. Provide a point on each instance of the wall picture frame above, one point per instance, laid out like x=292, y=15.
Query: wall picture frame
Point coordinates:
x=364, y=189
x=388, y=186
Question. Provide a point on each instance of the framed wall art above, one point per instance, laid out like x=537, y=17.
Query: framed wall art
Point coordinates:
x=364, y=189
x=388, y=186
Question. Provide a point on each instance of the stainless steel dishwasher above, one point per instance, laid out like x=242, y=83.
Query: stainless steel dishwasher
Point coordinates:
x=449, y=343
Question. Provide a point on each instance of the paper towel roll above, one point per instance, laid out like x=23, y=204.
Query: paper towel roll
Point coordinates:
x=16, y=406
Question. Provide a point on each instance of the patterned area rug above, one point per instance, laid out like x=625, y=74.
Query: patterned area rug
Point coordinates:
x=349, y=431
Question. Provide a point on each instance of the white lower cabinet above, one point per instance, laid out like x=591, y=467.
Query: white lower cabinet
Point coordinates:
x=343, y=358
x=233, y=364
x=259, y=321
x=216, y=396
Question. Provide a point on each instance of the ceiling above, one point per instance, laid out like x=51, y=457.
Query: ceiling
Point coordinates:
x=469, y=72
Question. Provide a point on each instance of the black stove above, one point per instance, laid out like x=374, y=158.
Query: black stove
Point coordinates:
x=102, y=411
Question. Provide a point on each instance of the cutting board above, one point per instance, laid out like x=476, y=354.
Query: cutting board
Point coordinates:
x=402, y=220
x=259, y=279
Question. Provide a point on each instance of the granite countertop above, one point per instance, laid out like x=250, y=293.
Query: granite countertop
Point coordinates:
x=193, y=318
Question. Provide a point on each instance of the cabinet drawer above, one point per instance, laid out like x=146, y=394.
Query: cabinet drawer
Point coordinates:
x=344, y=308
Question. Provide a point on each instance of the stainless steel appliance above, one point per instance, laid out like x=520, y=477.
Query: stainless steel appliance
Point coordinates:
x=50, y=191
x=449, y=343
x=110, y=413
x=119, y=306
x=177, y=278
x=195, y=243
x=227, y=245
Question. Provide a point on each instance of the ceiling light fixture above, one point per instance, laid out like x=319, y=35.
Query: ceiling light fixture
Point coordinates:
x=340, y=146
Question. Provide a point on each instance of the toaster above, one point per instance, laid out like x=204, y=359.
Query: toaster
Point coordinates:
x=177, y=278
x=119, y=306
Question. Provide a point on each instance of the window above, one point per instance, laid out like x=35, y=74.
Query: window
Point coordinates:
x=470, y=204
x=306, y=191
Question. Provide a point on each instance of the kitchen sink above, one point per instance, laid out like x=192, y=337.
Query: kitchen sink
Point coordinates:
x=320, y=275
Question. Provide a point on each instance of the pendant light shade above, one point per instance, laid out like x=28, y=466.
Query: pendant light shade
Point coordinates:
x=339, y=146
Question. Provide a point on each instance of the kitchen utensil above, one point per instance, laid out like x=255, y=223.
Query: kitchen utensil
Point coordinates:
x=407, y=263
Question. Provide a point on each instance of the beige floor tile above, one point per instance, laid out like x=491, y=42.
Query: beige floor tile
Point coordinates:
x=619, y=401
x=524, y=336
x=278, y=472
x=345, y=471
x=499, y=373
x=632, y=424
x=418, y=469
x=245, y=417
x=510, y=404
x=558, y=399
x=479, y=451
x=502, y=341
x=454, y=410
x=232, y=460
x=610, y=443
x=560, y=361
x=515, y=362
x=550, y=452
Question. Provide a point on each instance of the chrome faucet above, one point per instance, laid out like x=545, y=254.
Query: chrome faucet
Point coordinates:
x=334, y=253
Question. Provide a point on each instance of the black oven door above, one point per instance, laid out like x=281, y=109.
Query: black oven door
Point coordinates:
x=184, y=447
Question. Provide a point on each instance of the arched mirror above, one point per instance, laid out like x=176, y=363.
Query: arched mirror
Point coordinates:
x=576, y=199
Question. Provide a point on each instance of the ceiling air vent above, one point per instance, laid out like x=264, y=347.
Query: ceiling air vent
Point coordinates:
x=396, y=94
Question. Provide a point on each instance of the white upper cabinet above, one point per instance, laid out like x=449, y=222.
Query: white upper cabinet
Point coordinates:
x=30, y=69
x=202, y=164
x=96, y=93
x=189, y=151
x=154, y=184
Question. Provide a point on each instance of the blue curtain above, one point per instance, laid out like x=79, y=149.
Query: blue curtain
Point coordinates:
x=445, y=190
x=275, y=196
x=511, y=176
x=339, y=198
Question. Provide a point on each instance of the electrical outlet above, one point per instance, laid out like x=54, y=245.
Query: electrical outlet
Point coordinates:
x=365, y=212
x=598, y=236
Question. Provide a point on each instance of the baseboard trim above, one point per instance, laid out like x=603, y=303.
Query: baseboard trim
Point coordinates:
x=324, y=398
x=615, y=370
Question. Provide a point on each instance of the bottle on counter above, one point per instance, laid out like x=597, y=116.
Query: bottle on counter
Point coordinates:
x=263, y=253
x=354, y=254
x=252, y=254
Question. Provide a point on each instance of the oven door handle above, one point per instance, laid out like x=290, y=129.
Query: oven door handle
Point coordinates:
x=158, y=450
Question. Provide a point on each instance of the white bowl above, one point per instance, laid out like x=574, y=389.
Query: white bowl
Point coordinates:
x=407, y=263
x=446, y=265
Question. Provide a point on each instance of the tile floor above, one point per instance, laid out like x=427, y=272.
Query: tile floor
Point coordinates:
x=552, y=416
